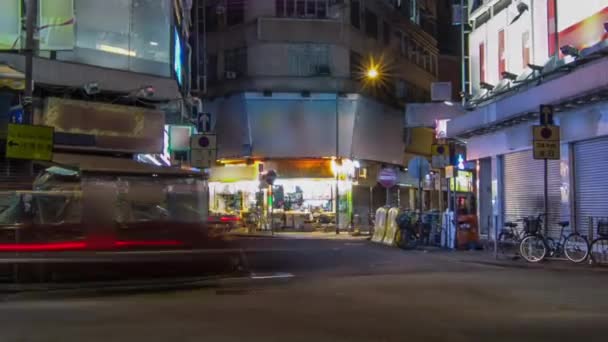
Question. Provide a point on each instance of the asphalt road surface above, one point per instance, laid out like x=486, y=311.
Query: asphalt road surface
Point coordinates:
x=340, y=291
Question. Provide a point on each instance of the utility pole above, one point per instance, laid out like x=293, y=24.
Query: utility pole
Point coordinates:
x=30, y=26
x=337, y=163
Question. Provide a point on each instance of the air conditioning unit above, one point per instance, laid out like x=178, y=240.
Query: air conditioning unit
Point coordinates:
x=441, y=91
x=231, y=75
x=323, y=70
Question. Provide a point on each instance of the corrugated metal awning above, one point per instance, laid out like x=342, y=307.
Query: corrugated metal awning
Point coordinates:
x=11, y=78
x=112, y=165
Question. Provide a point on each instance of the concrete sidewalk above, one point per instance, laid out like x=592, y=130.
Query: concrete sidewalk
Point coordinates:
x=513, y=261
x=344, y=235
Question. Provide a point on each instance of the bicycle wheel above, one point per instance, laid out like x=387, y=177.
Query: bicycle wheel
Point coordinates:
x=576, y=248
x=599, y=251
x=533, y=248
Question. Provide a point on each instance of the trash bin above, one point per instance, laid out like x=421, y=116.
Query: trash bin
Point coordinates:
x=467, y=234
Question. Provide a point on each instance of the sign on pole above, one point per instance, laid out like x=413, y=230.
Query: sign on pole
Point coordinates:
x=546, y=114
x=29, y=142
x=440, y=155
x=418, y=167
x=387, y=177
x=203, y=148
x=546, y=142
x=203, y=122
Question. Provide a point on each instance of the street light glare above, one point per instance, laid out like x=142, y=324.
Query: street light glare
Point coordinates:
x=372, y=73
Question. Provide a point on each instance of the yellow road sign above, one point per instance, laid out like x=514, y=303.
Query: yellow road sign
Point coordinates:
x=29, y=142
x=440, y=155
x=546, y=142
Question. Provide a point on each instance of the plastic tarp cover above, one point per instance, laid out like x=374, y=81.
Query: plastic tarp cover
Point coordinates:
x=380, y=225
x=391, y=227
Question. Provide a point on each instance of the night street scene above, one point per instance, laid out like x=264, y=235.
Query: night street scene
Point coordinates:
x=303, y=170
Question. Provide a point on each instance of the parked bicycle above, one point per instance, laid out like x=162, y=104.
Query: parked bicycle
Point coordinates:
x=509, y=237
x=599, y=246
x=409, y=232
x=535, y=246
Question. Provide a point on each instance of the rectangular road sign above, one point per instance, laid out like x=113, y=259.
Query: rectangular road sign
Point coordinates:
x=440, y=155
x=546, y=114
x=202, y=158
x=546, y=143
x=29, y=142
x=546, y=150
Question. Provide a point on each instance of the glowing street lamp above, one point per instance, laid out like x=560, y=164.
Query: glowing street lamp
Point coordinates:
x=372, y=73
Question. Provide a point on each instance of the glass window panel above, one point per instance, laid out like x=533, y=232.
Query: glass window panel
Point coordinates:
x=102, y=34
x=10, y=28
x=56, y=25
x=150, y=36
x=130, y=35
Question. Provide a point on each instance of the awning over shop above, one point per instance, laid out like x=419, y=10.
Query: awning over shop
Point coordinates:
x=11, y=78
x=113, y=165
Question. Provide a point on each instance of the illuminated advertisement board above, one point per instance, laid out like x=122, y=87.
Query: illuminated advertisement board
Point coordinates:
x=463, y=182
x=581, y=26
x=178, y=57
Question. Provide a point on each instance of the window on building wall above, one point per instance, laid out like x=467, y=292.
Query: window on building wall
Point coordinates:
x=356, y=65
x=355, y=13
x=302, y=8
x=235, y=12
x=401, y=89
x=426, y=60
x=371, y=24
x=290, y=8
x=414, y=12
x=482, y=62
x=525, y=48
x=212, y=20
x=235, y=61
x=309, y=60
x=414, y=52
x=386, y=33
x=211, y=69
x=279, y=6
x=502, y=56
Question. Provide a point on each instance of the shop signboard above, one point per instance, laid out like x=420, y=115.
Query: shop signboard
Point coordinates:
x=29, y=142
x=387, y=177
x=463, y=182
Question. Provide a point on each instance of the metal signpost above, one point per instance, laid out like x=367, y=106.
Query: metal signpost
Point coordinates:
x=546, y=146
x=387, y=177
x=203, y=149
x=418, y=168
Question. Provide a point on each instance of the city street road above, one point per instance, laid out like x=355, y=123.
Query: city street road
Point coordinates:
x=341, y=291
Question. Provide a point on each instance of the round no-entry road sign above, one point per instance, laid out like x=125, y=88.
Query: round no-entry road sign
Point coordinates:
x=387, y=177
x=203, y=141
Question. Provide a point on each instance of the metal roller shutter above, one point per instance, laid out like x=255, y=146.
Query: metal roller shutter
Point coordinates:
x=591, y=183
x=524, y=188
